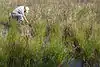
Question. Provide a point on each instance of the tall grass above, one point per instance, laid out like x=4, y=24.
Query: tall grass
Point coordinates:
x=58, y=27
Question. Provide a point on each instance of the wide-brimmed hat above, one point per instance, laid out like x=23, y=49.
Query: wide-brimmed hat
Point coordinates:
x=27, y=9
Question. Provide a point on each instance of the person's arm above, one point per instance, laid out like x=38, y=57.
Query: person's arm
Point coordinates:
x=25, y=19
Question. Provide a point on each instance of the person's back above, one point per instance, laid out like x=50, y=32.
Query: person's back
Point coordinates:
x=19, y=10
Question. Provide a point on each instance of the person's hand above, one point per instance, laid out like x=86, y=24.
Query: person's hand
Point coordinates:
x=27, y=21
